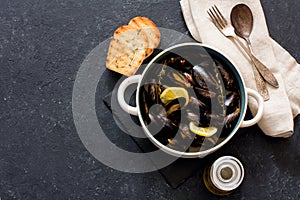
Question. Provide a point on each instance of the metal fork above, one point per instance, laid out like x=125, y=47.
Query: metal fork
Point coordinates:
x=228, y=30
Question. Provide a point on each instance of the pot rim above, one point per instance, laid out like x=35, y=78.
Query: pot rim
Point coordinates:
x=200, y=153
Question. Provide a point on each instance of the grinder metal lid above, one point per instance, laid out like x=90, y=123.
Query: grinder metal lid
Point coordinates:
x=227, y=173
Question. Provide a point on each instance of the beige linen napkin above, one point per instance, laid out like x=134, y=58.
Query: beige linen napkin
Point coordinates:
x=284, y=103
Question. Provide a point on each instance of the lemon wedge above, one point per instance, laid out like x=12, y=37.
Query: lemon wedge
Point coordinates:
x=173, y=93
x=202, y=131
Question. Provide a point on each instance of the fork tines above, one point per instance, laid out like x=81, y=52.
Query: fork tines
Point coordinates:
x=217, y=17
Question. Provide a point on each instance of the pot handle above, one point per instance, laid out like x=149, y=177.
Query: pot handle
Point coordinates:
x=260, y=110
x=121, y=90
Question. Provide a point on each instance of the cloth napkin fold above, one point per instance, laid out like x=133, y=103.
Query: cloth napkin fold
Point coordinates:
x=284, y=103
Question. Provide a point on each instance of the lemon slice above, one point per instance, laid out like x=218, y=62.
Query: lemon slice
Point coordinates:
x=173, y=93
x=202, y=131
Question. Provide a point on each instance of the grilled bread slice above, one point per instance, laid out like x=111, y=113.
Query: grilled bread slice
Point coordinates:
x=127, y=50
x=131, y=44
x=150, y=29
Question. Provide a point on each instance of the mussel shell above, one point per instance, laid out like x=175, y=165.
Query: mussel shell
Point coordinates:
x=203, y=77
x=228, y=78
x=204, y=93
x=177, y=62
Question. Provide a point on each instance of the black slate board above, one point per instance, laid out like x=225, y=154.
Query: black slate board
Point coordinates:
x=177, y=172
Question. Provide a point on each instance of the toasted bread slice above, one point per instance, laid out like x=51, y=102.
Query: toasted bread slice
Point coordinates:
x=150, y=29
x=127, y=50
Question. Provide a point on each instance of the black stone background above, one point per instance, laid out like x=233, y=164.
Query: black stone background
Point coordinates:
x=43, y=43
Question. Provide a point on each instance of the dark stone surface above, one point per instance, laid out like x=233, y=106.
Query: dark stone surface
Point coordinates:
x=43, y=43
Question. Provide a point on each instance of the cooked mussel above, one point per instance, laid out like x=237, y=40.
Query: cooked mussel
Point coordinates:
x=203, y=78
